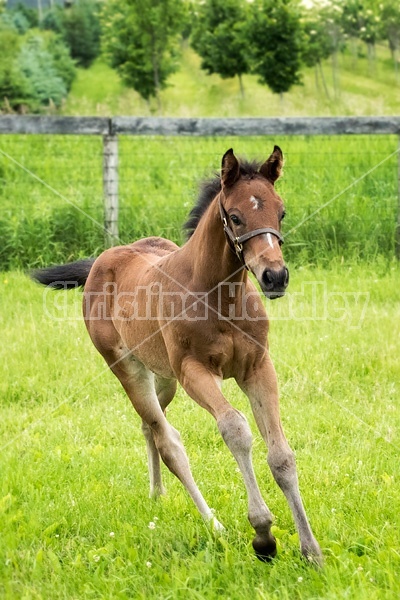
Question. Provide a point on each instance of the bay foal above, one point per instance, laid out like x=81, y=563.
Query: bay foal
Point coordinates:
x=160, y=314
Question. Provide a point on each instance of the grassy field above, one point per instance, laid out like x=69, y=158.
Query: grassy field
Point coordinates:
x=74, y=505
x=159, y=177
x=364, y=90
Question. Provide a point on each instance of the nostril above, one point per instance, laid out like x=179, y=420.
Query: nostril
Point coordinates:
x=286, y=280
x=268, y=279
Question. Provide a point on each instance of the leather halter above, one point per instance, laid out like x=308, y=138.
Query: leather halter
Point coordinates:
x=235, y=243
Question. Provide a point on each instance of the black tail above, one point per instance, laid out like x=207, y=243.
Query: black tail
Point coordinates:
x=64, y=277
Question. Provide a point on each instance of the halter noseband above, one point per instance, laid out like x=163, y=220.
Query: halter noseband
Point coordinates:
x=236, y=243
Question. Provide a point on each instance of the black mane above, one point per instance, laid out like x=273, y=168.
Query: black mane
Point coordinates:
x=209, y=189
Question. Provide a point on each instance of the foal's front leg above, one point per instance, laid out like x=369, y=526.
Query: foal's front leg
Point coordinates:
x=262, y=389
x=202, y=386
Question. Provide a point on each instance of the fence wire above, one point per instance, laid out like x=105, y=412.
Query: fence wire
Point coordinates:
x=158, y=183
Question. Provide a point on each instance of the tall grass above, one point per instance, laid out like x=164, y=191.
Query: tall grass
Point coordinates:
x=61, y=219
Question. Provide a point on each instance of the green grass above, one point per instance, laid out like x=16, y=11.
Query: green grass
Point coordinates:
x=159, y=180
x=193, y=93
x=74, y=505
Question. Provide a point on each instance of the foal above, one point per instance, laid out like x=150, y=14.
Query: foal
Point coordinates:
x=160, y=314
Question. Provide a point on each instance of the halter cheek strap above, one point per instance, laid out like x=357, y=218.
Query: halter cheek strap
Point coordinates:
x=236, y=243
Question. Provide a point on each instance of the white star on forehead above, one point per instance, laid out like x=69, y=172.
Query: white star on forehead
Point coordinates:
x=255, y=202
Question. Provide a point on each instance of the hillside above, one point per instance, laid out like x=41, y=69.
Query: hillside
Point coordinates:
x=365, y=89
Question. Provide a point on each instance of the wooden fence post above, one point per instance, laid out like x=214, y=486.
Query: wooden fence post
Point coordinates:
x=397, y=239
x=110, y=189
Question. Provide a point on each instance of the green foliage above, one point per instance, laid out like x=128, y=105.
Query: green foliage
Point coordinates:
x=30, y=14
x=81, y=31
x=217, y=37
x=79, y=27
x=61, y=58
x=273, y=33
x=390, y=25
x=15, y=20
x=316, y=43
x=36, y=67
x=14, y=85
x=361, y=20
x=141, y=40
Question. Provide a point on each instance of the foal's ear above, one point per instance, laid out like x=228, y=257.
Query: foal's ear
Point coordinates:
x=230, y=169
x=272, y=168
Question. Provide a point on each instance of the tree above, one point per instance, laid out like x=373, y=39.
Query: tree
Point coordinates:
x=79, y=27
x=141, y=40
x=36, y=68
x=274, y=39
x=14, y=86
x=316, y=46
x=390, y=28
x=360, y=20
x=37, y=65
x=331, y=19
x=217, y=38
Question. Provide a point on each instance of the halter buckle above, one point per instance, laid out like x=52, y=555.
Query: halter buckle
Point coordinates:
x=238, y=246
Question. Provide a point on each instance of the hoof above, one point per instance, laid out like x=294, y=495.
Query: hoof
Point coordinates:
x=265, y=548
x=213, y=523
x=313, y=554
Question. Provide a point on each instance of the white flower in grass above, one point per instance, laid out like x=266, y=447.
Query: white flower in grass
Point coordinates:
x=299, y=579
x=152, y=525
x=112, y=534
x=96, y=558
x=148, y=564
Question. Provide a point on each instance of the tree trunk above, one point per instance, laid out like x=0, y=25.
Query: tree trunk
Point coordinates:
x=156, y=75
x=335, y=73
x=323, y=80
x=241, y=86
x=316, y=78
x=371, y=58
x=354, y=52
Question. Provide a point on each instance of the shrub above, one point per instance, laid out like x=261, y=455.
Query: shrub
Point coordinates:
x=79, y=28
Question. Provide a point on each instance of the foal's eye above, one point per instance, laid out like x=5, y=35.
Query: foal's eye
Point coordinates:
x=283, y=215
x=235, y=220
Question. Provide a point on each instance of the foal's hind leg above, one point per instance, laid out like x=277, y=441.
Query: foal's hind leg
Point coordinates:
x=165, y=390
x=138, y=383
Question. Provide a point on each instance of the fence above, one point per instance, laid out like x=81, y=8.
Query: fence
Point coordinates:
x=112, y=129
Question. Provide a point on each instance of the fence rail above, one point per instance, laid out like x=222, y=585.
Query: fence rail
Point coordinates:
x=12, y=124
x=111, y=128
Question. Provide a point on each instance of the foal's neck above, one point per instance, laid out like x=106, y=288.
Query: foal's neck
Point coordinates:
x=212, y=261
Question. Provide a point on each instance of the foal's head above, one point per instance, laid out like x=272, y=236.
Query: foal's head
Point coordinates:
x=249, y=202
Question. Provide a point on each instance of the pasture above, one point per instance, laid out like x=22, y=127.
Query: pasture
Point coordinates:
x=76, y=518
x=158, y=181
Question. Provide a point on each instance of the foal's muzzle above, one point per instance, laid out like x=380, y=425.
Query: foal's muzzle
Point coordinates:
x=274, y=282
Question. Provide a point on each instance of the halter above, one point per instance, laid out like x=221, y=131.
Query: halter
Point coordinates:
x=236, y=243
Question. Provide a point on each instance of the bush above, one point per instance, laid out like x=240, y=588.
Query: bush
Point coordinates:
x=37, y=65
x=79, y=28
x=36, y=69
x=14, y=86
